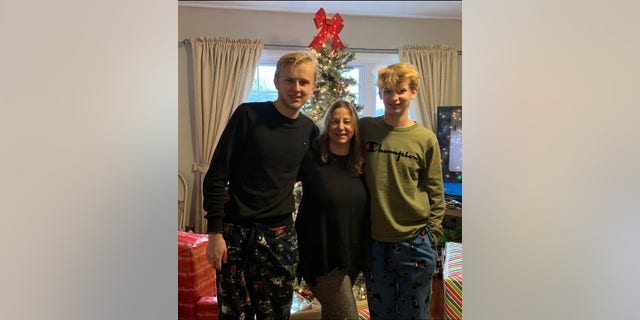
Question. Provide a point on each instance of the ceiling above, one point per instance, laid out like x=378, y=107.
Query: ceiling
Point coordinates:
x=402, y=9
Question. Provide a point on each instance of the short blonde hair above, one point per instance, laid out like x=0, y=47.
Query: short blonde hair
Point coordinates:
x=293, y=59
x=392, y=76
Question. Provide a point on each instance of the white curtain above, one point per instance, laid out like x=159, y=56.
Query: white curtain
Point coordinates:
x=438, y=68
x=223, y=71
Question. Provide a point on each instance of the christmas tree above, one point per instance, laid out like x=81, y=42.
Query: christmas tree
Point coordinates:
x=333, y=60
x=331, y=84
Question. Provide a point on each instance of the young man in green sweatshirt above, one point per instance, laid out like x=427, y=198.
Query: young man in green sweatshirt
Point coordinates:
x=404, y=176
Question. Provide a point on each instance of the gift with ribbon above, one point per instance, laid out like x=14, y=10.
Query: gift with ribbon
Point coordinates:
x=329, y=29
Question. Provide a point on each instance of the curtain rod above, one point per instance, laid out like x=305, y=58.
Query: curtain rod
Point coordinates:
x=294, y=47
x=361, y=50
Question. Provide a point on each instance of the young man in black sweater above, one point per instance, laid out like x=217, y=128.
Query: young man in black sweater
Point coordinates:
x=252, y=239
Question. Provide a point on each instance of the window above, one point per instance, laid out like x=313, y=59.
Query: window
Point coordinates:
x=263, y=88
x=368, y=65
x=354, y=73
x=364, y=69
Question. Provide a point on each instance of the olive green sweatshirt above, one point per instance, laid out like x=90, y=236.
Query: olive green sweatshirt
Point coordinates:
x=404, y=175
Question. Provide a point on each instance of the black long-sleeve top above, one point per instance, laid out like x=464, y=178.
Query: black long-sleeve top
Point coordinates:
x=259, y=155
x=333, y=217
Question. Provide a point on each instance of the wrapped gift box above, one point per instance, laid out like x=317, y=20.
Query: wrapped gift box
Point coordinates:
x=196, y=277
x=363, y=314
x=207, y=308
x=452, y=277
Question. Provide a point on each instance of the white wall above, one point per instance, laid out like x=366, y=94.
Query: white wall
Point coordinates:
x=89, y=139
x=294, y=29
x=552, y=160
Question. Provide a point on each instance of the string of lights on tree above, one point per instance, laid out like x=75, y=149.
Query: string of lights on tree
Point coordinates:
x=332, y=62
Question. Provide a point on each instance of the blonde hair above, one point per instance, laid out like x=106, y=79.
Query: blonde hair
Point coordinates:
x=294, y=59
x=392, y=76
x=355, y=160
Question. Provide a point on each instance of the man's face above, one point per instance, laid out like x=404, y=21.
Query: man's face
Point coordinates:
x=396, y=101
x=295, y=85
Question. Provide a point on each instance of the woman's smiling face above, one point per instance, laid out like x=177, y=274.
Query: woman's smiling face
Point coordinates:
x=341, y=126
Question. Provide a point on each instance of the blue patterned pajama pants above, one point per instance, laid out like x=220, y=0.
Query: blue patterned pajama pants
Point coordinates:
x=399, y=279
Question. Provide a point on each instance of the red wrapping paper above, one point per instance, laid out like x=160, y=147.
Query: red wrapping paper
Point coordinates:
x=196, y=277
x=207, y=308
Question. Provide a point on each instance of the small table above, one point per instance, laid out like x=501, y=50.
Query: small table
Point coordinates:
x=453, y=212
x=452, y=218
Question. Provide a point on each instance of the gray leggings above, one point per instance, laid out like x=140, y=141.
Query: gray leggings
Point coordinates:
x=333, y=290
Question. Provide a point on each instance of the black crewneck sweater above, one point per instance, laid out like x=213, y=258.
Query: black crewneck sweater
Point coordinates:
x=259, y=155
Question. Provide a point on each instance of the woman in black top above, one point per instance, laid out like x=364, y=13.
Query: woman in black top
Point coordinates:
x=333, y=217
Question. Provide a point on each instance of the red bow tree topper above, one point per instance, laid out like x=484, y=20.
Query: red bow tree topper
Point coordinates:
x=329, y=29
